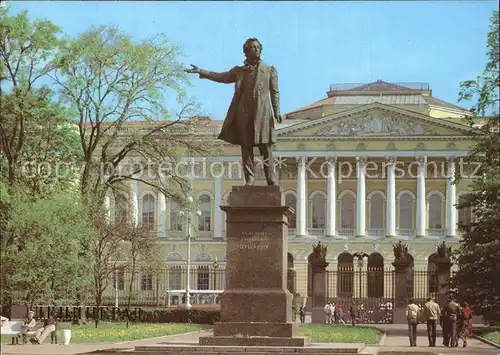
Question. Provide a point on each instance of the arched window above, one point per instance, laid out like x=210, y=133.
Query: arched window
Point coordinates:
x=120, y=209
x=377, y=211
x=205, y=220
x=464, y=213
x=345, y=279
x=375, y=275
x=435, y=211
x=175, y=216
x=291, y=201
x=348, y=212
x=148, y=212
x=318, y=211
x=432, y=282
x=405, y=211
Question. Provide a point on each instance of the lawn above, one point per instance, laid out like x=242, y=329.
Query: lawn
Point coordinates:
x=116, y=332
x=493, y=337
x=325, y=333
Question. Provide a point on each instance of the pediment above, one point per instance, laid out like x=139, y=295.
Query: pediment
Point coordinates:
x=376, y=120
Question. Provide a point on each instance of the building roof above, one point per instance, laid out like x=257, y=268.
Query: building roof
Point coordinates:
x=397, y=94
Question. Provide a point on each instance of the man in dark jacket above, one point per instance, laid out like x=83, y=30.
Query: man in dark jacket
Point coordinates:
x=450, y=314
x=255, y=105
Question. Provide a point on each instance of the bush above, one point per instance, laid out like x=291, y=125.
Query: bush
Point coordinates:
x=197, y=316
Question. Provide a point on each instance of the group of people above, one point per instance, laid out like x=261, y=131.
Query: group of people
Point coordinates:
x=29, y=324
x=455, y=319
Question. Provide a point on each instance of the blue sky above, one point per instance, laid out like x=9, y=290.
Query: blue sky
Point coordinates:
x=312, y=44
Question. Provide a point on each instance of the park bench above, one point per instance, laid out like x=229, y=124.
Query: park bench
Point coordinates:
x=14, y=327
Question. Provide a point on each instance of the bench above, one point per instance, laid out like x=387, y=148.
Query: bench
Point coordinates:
x=14, y=327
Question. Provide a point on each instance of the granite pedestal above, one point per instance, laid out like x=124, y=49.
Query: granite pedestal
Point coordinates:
x=256, y=301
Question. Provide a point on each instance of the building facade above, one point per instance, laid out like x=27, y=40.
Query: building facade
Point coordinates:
x=364, y=168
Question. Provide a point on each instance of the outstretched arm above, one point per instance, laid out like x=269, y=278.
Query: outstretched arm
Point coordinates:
x=275, y=94
x=225, y=77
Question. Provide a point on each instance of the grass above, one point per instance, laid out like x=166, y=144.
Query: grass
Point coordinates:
x=493, y=337
x=327, y=333
x=117, y=332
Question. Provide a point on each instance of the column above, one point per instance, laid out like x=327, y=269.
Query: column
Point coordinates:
x=361, y=199
x=301, y=213
x=421, y=210
x=451, y=193
x=391, y=198
x=331, y=199
x=107, y=207
x=218, y=221
x=134, y=203
x=162, y=215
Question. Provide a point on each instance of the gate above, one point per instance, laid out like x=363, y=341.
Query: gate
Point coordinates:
x=370, y=291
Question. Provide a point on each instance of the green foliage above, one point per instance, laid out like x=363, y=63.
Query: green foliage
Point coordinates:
x=479, y=250
x=43, y=257
x=327, y=333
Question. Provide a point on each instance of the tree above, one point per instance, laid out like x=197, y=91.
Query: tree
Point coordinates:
x=26, y=49
x=43, y=265
x=110, y=82
x=479, y=249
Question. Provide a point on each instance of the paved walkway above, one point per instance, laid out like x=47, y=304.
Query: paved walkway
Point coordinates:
x=397, y=342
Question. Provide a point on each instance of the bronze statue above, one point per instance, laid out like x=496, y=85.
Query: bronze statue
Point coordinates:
x=250, y=119
x=319, y=253
x=400, y=250
x=443, y=251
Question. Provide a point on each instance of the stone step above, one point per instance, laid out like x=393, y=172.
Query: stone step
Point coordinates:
x=233, y=350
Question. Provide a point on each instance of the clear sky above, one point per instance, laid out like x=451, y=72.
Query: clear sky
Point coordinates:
x=311, y=44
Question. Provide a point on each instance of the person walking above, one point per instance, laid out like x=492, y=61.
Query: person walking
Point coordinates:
x=302, y=313
x=431, y=314
x=450, y=314
x=354, y=313
x=412, y=311
x=464, y=324
x=329, y=313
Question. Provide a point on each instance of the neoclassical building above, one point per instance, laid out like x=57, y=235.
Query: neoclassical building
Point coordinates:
x=363, y=168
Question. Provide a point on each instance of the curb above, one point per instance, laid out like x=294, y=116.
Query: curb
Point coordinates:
x=484, y=340
x=382, y=339
x=161, y=337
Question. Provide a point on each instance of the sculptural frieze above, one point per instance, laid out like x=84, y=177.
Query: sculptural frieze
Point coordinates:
x=378, y=125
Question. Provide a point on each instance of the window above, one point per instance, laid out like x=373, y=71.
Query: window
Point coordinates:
x=175, y=217
x=318, y=211
x=345, y=275
x=464, y=213
x=203, y=278
x=291, y=201
x=347, y=212
x=146, y=281
x=175, y=278
x=204, y=221
x=435, y=211
x=405, y=211
x=377, y=211
x=148, y=212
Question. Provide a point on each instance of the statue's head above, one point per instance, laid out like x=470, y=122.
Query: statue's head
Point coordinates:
x=252, y=48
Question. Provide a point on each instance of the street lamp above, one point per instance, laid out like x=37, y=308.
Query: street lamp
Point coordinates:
x=191, y=209
x=215, y=266
x=116, y=272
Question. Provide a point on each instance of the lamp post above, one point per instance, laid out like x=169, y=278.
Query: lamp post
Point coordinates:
x=191, y=209
x=215, y=266
x=116, y=272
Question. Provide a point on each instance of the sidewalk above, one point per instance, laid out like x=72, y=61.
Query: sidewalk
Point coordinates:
x=73, y=349
x=397, y=342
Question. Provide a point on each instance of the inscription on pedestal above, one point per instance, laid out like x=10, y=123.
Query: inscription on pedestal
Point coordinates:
x=254, y=241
